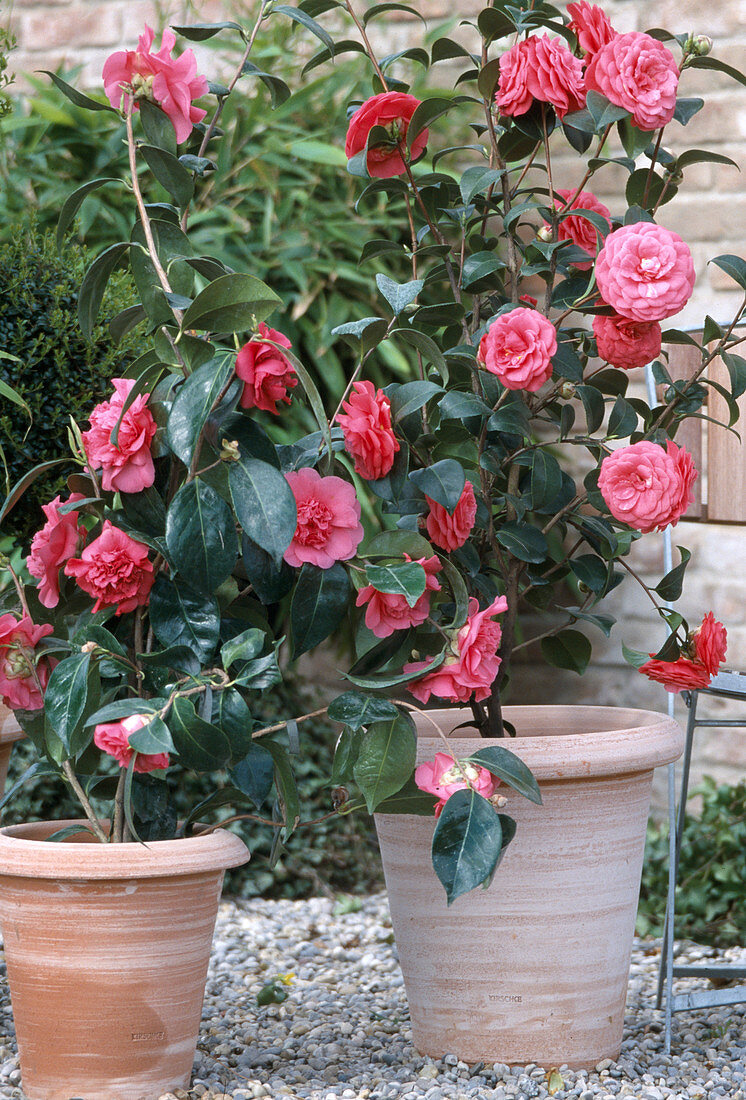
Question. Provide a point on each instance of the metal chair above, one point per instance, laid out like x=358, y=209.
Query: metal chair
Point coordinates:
x=731, y=685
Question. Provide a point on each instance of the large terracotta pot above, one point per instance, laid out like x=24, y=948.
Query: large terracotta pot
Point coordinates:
x=535, y=968
x=10, y=732
x=107, y=949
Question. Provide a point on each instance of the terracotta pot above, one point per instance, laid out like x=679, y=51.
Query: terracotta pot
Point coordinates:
x=107, y=949
x=10, y=732
x=535, y=968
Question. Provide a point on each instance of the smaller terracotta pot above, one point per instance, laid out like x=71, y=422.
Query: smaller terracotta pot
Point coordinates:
x=107, y=947
x=10, y=732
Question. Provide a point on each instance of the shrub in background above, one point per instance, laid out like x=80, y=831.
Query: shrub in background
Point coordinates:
x=60, y=373
x=711, y=892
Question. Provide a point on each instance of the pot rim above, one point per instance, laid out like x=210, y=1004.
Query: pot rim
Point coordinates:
x=24, y=852
x=10, y=731
x=629, y=740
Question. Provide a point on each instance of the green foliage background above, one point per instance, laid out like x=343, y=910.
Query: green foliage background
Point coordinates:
x=711, y=895
x=60, y=374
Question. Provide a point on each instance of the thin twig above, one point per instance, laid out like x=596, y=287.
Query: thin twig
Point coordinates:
x=83, y=799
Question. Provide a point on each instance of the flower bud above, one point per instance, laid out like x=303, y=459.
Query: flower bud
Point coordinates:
x=89, y=647
x=701, y=45
x=229, y=450
x=544, y=234
x=566, y=391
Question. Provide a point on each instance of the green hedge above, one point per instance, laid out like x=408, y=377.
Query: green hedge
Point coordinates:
x=60, y=374
x=711, y=892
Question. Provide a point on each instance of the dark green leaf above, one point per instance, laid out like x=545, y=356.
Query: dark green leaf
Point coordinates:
x=194, y=402
x=264, y=504
x=201, y=537
x=66, y=696
x=278, y=89
x=158, y=127
x=201, y=746
x=523, y=541
x=386, y=759
x=410, y=397
x=355, y=710
x=234, y=718
x=569, y=649
x=466, y=844
x=77, y=97
x=269, y=581
x=181, y=616
x=198, y=32
x=669, y=588
x=408, y=800
x=287, y=790
x=319, y=603
x=443, y=482
x=734, y=266
x=231, y=303
x=398, y=295
x=306, y=21
x=153, y=738
x=510, y=769
x=94, y=284
x=719, y=66
x=73, y=203
x=405, y=579
x=170, y=173
x=254, y=774
x=244, y=647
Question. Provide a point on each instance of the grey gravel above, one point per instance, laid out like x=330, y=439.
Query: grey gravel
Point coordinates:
x=343, y=1033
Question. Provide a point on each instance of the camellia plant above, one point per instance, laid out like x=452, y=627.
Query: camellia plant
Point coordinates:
x=514, y=471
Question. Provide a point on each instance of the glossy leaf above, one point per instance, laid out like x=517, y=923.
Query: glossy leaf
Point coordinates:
x=405, y=579
x=670, y=587
x=66, y=696
x=356, y=710
x=201, y=537
x=234, y=718
x=264, y=504
x=398, y=295
x=244, y=647
x=569, y=649
x=153, y=738
x=94, y=284
x=443, y=482
x=170, y=173
x=387, y=757
x=194, y=402
x=181, y=616
x=231, y=303
x=200, y=745
x=510, y=769
x=254, y=774
x=287, y=791
x=73, y=202
x=467, y=843
x=318, y=606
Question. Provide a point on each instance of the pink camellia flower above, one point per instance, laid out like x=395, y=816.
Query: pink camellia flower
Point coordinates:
x=518, y=348
x=19, y=682
x=128, y=466
x=368, y=435
x=443, y=777
x=540, y=68
x=675, y=676
x=171, y=82
x=471, y=672
x=329, y=527
x=115, y=570
x=626, y=344
x=114, y=738
x=386, y=612
x=392, y=111
x=711, y=642
x=581, y=231
x=449, y=530
x=638, y=73
x=645, y=272
x=52, y=546
x=266, y=373
x=646, y=487
x=591, y=25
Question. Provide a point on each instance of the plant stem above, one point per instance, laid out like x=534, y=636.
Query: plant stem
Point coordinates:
x=118, y=830
x=281, y=725
x=72, y=779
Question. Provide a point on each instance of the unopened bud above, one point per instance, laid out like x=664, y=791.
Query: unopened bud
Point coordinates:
x=89, y=647
x=566, y=391
x=340, y=795
x=545, y=233
x=498, y=801
x=229, y=450
x=701, y=45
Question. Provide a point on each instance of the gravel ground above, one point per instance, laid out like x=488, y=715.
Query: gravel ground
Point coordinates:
x=343, y=1033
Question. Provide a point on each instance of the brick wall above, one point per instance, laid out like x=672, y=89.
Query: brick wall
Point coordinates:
x=710, y=214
